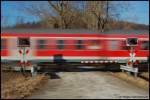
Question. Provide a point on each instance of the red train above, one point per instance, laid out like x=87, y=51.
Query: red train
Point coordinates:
x=47, y=45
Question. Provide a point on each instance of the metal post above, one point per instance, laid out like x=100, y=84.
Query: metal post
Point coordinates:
x=23, y=61
x=129, y=73
x=132, y=54
x=32, y=71
x=23, y=57
x=135, y=74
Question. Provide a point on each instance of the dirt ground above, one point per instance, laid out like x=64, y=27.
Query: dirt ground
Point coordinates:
x=89, y=85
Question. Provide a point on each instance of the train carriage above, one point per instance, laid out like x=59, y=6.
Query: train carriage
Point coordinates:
x=70, y=45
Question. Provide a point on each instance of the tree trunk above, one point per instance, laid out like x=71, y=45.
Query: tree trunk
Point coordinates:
x=98, y=25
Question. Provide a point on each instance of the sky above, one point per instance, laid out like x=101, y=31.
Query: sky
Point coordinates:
x=138, y=12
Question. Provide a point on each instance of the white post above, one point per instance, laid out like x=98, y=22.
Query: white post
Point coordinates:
x=135, y=74
x=129, y=73
x=24, y=58
x=132, y=52
x=32, y=71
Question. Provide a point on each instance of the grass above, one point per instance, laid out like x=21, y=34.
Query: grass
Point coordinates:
x=131, y=79
x=20, y=87
x=145, y=74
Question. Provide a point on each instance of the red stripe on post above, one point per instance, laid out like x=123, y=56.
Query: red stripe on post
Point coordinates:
x=20, y=51
x=136, y=62
x=20, y=63
x=27, y=51
x=27, y=63
x=129, y=63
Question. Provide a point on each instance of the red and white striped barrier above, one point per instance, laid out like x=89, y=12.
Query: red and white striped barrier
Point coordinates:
x=102, y=62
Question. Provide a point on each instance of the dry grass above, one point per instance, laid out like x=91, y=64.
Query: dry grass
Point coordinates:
x=145, y=74
x=136, y=81
x=17, y=86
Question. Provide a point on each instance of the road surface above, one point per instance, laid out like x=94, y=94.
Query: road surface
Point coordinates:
x=88, y=85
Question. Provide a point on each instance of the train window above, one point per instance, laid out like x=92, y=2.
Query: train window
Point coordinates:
x=23, y=42
x=3, y=43
x=94, y=44
x=79, y=44
x=41, y=44
x=113, y=45
x=144, y=45
x=60, y=44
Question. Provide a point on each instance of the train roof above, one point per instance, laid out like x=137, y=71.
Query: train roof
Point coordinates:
x=127, y=32
x=48, y=31
x=73, y=31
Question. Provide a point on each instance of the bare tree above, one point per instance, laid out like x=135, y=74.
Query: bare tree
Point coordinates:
x=103, y=12
x=4, y=21
x=65, y=12
x=35, y=8
x=95, y=15
x=20, y=20
x=57, y=13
